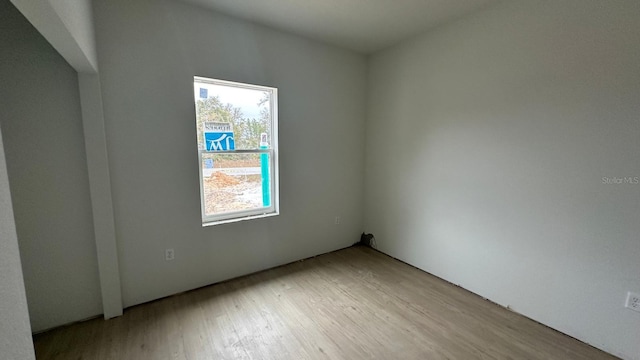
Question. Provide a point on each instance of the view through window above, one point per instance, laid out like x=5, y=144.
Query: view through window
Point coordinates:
x=237, y=145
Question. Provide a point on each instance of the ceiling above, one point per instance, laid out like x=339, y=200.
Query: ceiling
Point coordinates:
x=361, y=25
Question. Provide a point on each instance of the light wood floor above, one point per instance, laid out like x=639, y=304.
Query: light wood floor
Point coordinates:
x=351, y=304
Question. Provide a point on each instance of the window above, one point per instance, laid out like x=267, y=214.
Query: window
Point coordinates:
x=237, y=138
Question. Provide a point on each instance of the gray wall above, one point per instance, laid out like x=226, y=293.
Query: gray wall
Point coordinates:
x=487, y=141
x=77, y=16
x=15, y=332
x=42, y=129
x=68, y=27
x=149, y=52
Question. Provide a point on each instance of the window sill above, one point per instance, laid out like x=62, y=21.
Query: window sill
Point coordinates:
x=250, y=217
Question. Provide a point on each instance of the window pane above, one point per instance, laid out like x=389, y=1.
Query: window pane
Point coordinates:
x=235, y=182
x=244, y=113
x=234, y=122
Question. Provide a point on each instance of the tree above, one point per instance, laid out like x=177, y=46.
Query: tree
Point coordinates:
x=246, y=130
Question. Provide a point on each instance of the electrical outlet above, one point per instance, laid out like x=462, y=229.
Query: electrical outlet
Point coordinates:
x=337, y=220
x=169, y=254
x=633, y=301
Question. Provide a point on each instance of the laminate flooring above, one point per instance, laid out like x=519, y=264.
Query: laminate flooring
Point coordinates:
x=354, y=303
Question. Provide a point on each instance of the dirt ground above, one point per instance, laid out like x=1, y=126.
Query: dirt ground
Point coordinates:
x=225, y=193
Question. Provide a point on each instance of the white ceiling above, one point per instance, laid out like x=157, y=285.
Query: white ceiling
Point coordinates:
x=361, y=25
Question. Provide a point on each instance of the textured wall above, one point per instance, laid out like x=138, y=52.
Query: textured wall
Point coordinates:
x=149, y=52
x=487, y=143
x=44, y=147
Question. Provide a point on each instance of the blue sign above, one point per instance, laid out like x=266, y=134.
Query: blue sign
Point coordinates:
x=218, y=136
x=219, y=141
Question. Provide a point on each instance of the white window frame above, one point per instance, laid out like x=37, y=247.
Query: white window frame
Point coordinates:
x=273, y=209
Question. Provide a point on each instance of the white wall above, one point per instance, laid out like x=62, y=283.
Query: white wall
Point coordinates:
x=95, y=142
x=68, y=26
x=15, y=332
x=487, y=141
x=43, y=141
x=149, y=52
x=77, y=16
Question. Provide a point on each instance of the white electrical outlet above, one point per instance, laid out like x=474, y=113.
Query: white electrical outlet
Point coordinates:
x=169, y=254
x=633, y=301
x=337, y=220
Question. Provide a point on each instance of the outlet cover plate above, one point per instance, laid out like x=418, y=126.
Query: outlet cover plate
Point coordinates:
x=633, y=301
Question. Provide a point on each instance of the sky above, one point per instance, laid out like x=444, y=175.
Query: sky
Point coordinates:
x=246, y=99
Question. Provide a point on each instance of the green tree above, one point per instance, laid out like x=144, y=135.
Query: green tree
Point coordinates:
x=246, y=130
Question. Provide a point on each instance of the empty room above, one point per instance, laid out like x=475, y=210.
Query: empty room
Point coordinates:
x=319, y=179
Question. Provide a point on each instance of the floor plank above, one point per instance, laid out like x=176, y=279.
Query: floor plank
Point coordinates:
x=351, y=304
